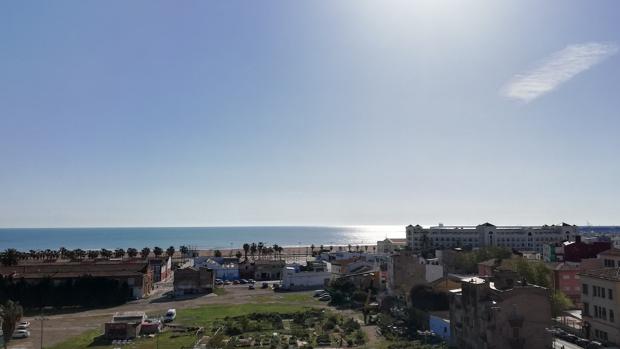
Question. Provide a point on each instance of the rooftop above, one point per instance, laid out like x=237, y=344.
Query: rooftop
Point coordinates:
x=611, y=274
x=611, y=252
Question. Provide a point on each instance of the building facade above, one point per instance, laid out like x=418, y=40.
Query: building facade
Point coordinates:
x=193, y=281
x=313, y=275
x=500, y=314
x=601, y=307
x=389, y=245
x=527, y=238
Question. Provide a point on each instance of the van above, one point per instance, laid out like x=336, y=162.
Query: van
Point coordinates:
x=171, y=314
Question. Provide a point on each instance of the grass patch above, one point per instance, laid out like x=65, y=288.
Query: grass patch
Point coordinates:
x=202, y=316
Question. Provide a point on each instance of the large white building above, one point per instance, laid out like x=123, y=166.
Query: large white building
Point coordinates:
x=524, y=238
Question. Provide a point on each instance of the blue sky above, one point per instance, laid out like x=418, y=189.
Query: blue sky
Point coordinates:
x=149, y=113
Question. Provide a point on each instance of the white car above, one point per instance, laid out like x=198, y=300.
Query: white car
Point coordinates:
x=171, y=314
x=21, y=334
x=23, y=325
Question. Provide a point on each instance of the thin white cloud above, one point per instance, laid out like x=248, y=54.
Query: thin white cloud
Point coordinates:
x=556, y=69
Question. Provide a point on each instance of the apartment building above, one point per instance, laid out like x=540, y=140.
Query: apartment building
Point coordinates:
x=502, y=313
x=601, y=308
x=525, y=238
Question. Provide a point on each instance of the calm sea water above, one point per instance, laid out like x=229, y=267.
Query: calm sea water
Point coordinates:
x=199, y=237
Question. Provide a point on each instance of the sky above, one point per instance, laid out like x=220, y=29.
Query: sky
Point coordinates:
x=205, y=113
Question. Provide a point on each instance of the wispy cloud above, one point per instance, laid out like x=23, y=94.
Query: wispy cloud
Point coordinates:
x=556, y=69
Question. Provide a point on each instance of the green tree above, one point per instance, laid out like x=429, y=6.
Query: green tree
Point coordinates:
x=253, y=249
x=559, y=303
x=184, y=250
x=170, y=251
x=217, y=253
x=145, y=253
x=246, y=249
x=132, y=252
x=158, y=251
x=238, y=254
x=11, y=312
x=10, y=257
x=119, y=253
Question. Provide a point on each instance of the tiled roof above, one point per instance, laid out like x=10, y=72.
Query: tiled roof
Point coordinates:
x=611, y=252
x=612, y=274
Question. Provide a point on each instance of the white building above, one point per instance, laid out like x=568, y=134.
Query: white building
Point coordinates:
x=314, y=275
x=389, y=245
x=224, y=268
x=529, y=238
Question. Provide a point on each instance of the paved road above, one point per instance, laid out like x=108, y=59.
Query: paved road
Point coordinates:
x=561, y=344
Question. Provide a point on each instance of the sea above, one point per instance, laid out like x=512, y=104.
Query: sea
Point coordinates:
x=25, y=239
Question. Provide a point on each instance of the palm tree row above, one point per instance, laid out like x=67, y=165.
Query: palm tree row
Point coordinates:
x=12, y=256
x=262, y=250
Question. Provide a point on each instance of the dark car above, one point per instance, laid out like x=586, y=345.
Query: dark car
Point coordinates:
x=264, y=285
x=243, y=281
x=251, y=287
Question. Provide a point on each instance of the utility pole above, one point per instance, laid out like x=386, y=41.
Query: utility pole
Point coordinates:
x=41, y=319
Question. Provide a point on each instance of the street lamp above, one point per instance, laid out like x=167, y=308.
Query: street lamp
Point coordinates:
x=41, y=319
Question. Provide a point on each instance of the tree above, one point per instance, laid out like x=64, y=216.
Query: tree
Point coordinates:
x=10, y=257
x=119, y=253
x=184, y=250
x=217, y=253
x=10, y=313
x=253, y=249
x=559, y=303
x=145, y=253
x=158, y=251
x=261, y=247
x=312, y=247
x=78, y=253
x=132, y=252
x=104, y=253
x=349, y=246
x=93, y=254
x=246, y=249
x=170, y=251
x=238, y=254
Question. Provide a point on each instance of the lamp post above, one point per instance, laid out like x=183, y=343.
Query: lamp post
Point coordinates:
x=41, y=320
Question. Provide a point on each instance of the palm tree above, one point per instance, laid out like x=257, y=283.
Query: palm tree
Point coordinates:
x=184, y=250
x=246, y=249
x=349, y=247
x=321, y=249
x=9, y=258
x=253, y=249
x=132, y=252
x=105, y=253
x=366, y=248
x=331, y=248
x=217, y=253
x=312, y=249
x=275, y=249
x=10, y=313
x=119, y=253
x=79, y=253
x=261, y=246
x=62, y=252
x=93, y=254
x=145, y=252
x=238, y=254
x=170, y=251
x=158, y=251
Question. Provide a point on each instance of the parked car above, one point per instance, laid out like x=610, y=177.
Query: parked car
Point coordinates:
x=235, y=282
x=325, y=298
x=318, y=293
x=24, y=324
x=171, y=314
x=265, y=285
x=582, y=342
x=251, y=287
x=243, y=281
x=252, y=281
x=21, y=334
x=594, y=345
x=227, y=282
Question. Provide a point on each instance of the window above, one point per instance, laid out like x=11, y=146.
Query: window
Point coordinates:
x=584, y=288
x=611, y=316
x=586, y=309
x=596, y=314
x=610, y=293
